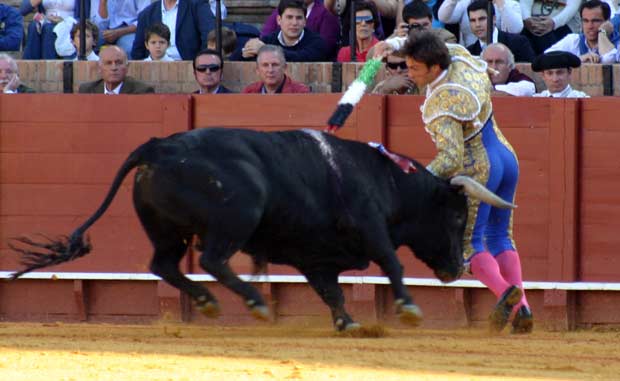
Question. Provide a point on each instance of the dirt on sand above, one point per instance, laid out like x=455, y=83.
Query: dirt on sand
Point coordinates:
x=83, y=352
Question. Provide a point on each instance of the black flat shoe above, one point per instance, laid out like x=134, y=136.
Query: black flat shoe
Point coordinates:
x=501, y=313
x=523, y=322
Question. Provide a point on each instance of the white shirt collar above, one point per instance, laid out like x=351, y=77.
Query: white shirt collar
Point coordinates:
x=115, y=91
x=494, y=37
x=435, y=82
x=562, y=94
x=213, y=92
x=281, y=38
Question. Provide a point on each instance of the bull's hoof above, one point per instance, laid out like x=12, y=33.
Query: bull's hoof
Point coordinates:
x=343, y=325
x=409, y=314
x=523, y=322
x=501, y=313
x=209, y=309
x=258, y=311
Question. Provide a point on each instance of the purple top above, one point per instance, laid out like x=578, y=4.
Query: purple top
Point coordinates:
x=320, y=21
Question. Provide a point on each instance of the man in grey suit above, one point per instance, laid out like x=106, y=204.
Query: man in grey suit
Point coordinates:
x=112, y=67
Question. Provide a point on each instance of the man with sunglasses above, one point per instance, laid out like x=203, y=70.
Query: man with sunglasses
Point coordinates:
x=208, y=71
x=396, y=79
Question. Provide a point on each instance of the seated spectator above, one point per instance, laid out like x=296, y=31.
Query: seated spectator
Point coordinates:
x=418, y=16
x=229, y=41
x=396, y=80
x=340, y=8
x=546, y=23
x=112, y=67
x=597, y=42
x=508, y=17
x=157, y=40
x=72, y=50
x=243, y=33
x=41, y=37
x=11, y=29
x=271, y=68
x=118, y=20
x=366, y=18
x=9, y=77
x=189, y=21
x=518, y=44
x=298, y=43
x=433, y=5
x=318, y=19
x=506, y=79
x=556, y=68
x=208, y=71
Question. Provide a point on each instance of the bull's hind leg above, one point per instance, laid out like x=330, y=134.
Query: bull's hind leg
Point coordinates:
x=217, y=251
x=326, y=285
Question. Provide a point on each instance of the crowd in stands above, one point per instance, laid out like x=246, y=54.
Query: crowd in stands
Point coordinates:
x=311, y=31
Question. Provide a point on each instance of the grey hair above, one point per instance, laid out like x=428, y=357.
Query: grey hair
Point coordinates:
x=511, y=57
x=271, y=48
x=10, y=60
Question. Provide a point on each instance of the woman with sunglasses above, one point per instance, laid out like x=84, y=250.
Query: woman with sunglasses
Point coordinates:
x=366, y=19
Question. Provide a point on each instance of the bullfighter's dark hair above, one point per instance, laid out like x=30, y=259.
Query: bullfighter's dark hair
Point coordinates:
x=159, y=29
x=295, y=4
x=480, y=5
x=592, y=4
x=205, y=52
x=426, y=46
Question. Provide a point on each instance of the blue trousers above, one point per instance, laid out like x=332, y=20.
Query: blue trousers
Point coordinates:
x=40, y=45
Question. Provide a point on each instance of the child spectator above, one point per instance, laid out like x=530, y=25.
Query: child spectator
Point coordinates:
x=157, y=41
x=229, y=41
x=91, y=33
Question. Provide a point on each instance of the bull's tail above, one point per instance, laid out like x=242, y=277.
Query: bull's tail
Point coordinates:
x=36, y=255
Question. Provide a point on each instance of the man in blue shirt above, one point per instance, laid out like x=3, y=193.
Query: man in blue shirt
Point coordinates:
x=118, y=20
x=11, y=28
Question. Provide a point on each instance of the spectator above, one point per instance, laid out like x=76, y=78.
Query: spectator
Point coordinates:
x=41, y=37
x=506, y=79
x=366, y=18
x=508, y=17
x=119, y=20
x=112, y=67
x=11, y=28
x=189, y=21
x=298, y=43
x=208, y=68
x=397, y=80
x=433, y=5
x=518, y=44
x=597, y=41
x=418, y=16
x=318, y=20
x=68, y=44
x=556, y=68
x=546, y=23
x=9, y=78
x=387, y=8
x=229, y=41
x=157, y=37
x=271, y=67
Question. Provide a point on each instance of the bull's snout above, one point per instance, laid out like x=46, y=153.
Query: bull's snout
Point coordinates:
x=447, y=277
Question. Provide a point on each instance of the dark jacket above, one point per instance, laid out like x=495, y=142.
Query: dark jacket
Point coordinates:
x=311, y=48
x=130, y=86
x=519, y=46
x=11, y=28
x=194, y=22
x=23, y=89
x=221, y=90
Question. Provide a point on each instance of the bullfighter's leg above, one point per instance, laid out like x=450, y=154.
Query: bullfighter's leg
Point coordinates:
x=217, y=250
x=170, y=246
x=326, y=285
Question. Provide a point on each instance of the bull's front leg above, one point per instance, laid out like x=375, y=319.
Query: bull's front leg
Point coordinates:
x=325, y=283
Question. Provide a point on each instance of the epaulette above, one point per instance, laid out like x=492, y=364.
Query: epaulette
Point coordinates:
x=451, y=100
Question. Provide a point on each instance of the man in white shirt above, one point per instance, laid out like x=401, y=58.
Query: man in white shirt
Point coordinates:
x=556, y=68
x=597, y=41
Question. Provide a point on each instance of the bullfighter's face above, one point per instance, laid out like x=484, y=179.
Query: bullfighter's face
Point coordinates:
x=420, y=73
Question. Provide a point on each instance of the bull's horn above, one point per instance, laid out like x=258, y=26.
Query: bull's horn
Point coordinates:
x=479, y=191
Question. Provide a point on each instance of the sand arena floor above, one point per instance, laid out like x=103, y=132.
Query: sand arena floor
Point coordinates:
x=83, y=352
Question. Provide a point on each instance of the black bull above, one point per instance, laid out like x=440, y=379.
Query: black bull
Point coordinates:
x=301, y=198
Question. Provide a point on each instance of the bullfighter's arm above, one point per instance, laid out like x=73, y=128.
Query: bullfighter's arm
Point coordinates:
x=447, y=133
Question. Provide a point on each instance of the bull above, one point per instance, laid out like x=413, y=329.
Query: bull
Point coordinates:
x=310, y=200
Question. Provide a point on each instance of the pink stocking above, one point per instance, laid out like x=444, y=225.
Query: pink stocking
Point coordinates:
x=510, y=266
x=486, y=270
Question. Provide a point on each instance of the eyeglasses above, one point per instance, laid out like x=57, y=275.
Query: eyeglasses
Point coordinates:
x=211, y=67
x=397, y=65
x=364, y=19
